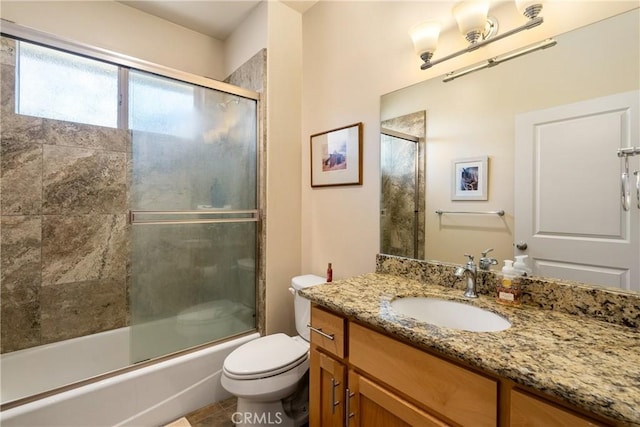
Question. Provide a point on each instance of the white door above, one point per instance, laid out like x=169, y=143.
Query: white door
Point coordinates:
x=568, y=205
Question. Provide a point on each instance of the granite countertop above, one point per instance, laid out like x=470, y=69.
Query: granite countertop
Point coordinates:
x=589, y=363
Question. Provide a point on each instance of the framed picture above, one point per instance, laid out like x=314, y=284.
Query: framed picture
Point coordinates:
x=469, y=180
x=336, y=157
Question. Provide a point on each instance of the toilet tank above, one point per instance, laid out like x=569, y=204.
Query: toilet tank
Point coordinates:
x=302, y=306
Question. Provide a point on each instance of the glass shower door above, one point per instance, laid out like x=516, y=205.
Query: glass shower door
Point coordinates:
x=193, y=215
x=399, y=202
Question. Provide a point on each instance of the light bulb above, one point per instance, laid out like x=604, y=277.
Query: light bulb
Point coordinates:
x=529, y=8
x=425, y=37
x=471, y=17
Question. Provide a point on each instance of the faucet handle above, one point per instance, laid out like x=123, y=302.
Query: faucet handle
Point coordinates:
x=486, y=263
x=486, y=251
x=470, y=258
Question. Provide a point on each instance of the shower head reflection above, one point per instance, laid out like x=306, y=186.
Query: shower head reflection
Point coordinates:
x=225, y=104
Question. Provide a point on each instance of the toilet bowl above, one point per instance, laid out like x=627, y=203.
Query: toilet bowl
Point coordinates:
x=212, y=320
x=271, y=370
x=266, y=369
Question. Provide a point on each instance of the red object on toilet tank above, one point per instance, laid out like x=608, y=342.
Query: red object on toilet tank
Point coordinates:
x=329, y=273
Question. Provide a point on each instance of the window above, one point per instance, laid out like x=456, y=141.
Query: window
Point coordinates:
x=161, y=105
x=62, y=86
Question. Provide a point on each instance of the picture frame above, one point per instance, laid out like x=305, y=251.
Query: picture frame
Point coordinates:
x=470, y=178
x=336, y=157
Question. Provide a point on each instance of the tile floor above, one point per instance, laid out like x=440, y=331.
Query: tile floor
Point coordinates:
x=214, y=415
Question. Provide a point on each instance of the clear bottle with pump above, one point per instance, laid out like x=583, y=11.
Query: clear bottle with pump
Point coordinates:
x=520, y=265
x=509, y=291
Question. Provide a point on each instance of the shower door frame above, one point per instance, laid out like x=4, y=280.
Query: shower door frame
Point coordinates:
x=125, y=62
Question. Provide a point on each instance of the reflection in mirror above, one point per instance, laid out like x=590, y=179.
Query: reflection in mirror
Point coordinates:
x=476, y=116
x=402, y=173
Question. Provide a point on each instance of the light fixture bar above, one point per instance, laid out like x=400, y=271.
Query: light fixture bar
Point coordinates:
x=534, y=22
x=492, y=62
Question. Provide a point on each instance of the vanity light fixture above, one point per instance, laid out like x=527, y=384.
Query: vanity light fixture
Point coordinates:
x=473, y=22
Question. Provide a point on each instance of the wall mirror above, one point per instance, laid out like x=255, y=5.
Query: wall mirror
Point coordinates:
x=492, y=113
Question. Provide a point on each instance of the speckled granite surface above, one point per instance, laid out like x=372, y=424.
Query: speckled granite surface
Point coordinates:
x=611, y=305
x=587, y=362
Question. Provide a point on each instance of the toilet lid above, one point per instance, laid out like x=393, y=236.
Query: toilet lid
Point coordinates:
x=270, y=354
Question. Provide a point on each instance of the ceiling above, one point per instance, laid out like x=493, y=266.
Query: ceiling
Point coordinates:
x=215, y=18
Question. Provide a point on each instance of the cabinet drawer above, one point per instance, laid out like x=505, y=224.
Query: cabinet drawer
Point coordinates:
x=530, y=411
x=328, y=331
x=456, y=393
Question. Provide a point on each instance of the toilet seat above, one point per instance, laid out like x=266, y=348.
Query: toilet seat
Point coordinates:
x=265, y=357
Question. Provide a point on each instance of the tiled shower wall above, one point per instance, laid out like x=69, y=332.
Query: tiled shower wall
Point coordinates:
x=397, y=222
x=64, y=232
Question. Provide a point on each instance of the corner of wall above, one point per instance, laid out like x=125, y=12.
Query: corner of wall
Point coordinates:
x=283, y=213
x=246, y=40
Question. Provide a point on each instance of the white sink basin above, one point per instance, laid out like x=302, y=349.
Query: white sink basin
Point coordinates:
x=450, y=314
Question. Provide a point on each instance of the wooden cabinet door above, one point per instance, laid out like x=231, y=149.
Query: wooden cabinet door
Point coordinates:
x=530, y=411
x=327, y=381
x=370, y=405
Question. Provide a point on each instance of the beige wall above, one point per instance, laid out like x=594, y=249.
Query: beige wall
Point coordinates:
x=122, y=29
x=250, y=37
x=284, y=81
x=352, y=56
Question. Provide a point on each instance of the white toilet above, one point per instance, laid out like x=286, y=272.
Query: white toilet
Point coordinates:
x=268, y=375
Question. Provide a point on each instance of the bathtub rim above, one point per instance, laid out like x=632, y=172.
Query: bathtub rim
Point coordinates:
x=116, y=372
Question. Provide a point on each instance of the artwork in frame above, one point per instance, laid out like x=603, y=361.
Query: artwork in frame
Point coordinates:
x=336, y=157
x=469, y=180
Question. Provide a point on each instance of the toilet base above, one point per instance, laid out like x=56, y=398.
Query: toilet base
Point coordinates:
x=250, y=413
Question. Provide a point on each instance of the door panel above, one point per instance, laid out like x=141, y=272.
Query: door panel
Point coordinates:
x=617, y=277
x=567, y=203
x=194, y=217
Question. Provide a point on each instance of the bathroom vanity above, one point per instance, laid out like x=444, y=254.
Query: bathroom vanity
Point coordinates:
x=373, y=367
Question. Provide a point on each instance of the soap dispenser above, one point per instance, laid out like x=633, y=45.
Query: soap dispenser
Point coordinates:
x=508, y=291
x=520, y=265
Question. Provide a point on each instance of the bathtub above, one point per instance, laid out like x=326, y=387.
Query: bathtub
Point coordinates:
x=151, y=395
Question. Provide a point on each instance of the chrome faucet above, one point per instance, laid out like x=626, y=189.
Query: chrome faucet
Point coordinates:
x=485, y=263
x=470, y=270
